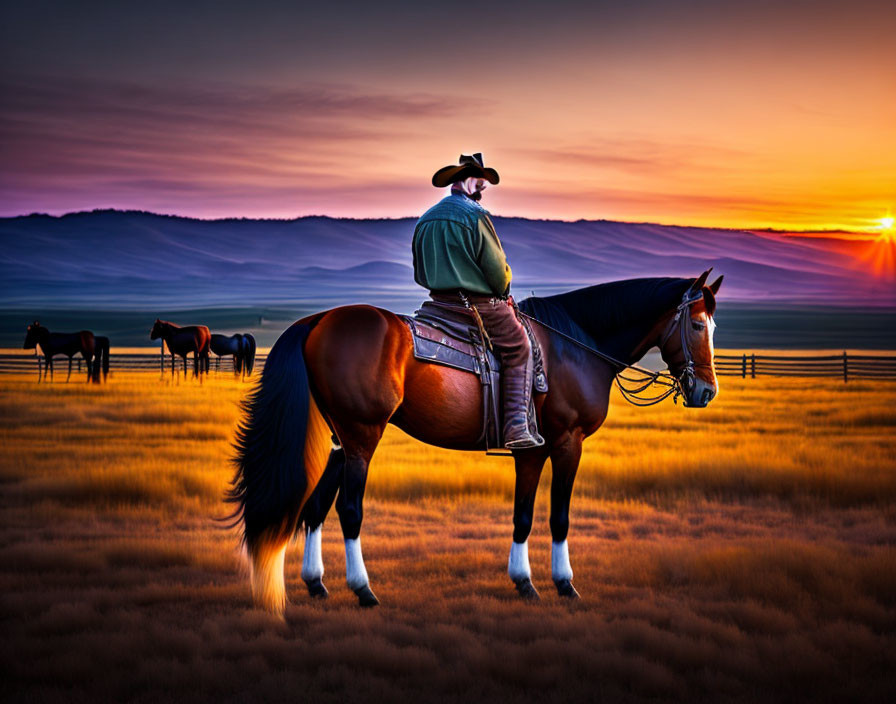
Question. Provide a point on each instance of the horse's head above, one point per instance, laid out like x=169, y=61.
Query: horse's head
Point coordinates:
x=156, y=331
x=32, y=335
x=686, y=343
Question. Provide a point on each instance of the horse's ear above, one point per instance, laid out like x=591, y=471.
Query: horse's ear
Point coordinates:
x=714, y=286
x=701, y=281
x=709, y=300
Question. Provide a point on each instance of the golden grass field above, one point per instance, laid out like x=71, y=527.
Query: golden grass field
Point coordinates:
x=744, y=552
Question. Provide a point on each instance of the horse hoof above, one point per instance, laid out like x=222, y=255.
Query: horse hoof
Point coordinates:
x=526, y=589
x=366, y=597
x=316, y=588
x=565, y=589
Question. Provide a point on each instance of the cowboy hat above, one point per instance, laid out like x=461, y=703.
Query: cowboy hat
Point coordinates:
x=467, y=167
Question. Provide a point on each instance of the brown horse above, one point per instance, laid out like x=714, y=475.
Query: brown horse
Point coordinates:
x=348, y=372
x=93, y=348
x=183, y=340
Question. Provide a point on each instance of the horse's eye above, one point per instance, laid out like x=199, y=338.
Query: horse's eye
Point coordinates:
x=698, y=325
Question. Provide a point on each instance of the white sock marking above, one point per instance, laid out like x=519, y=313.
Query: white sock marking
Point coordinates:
x=560, y=567
x=313, y=559
x=518, y=564
x=355, y=572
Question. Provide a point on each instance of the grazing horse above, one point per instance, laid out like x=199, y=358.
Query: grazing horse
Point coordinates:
x=240, y=346
x=348, y=372
x=183, y=340
x=93, y=348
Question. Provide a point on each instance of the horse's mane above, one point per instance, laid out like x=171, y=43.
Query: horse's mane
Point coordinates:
x=599, y=312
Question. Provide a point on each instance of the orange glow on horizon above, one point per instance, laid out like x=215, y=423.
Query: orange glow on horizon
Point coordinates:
x=881, y=252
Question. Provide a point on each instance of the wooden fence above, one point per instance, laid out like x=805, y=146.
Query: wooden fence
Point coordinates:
x=130, y=362
x=845, y=366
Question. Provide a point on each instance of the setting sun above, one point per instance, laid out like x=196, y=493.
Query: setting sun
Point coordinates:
x=881, y=252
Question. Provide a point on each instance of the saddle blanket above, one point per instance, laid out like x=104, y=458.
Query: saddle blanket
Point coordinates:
x=434, y=344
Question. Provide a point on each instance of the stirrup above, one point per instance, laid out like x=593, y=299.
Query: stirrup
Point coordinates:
x=523, y=440
x=524, y=443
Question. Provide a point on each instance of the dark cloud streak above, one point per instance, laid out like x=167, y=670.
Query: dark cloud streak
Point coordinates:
x=638, y=156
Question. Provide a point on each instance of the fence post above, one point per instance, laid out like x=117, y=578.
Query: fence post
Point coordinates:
x=845, y=367
x=79, y=365
x=753, y=366
x=743, y=373
x=162, y=358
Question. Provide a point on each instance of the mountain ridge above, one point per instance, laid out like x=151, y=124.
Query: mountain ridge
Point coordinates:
x=148, y=259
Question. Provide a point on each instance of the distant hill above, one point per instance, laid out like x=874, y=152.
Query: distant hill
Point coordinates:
x=135, y=261
x=128, y=259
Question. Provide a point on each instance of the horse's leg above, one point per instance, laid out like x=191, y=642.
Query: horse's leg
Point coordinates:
x=172, y=365
x=528, y=471
x=350, y=505
x=50, y=364
x=355, y=357
x=69, y=370
x=315, y=511
x=565, y=463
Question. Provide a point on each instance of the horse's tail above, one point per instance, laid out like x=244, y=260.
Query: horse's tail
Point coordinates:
x=238, y=355
x=248, y=353
x=204, y=351
x=282, y=446
x=101, y=357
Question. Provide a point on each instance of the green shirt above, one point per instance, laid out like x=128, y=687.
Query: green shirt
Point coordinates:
x=456, y=247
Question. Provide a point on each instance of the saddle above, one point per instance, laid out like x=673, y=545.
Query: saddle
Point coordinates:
x=449, y=335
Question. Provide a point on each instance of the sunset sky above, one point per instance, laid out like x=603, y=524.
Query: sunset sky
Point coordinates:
x=735, y=114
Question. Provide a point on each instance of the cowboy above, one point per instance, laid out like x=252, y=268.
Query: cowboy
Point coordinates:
x=459, y=258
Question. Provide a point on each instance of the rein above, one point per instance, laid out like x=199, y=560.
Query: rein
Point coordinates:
x=674, y=386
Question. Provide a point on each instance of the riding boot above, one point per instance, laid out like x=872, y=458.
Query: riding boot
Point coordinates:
x=516, y=383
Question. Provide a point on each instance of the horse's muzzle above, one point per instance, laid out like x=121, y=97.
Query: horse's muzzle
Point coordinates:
x=701, y=393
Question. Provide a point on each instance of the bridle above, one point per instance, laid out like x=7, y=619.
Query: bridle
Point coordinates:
x=674, y=386
x=688, y=376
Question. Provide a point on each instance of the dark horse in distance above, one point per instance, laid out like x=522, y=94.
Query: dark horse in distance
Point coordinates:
x=183, y=340
x=93, y=348
x=334, y=380
x=240, y=346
